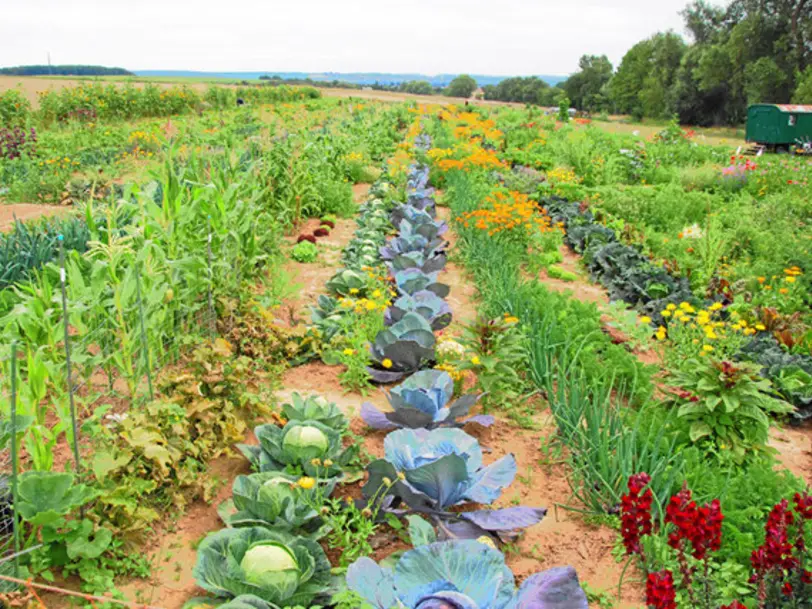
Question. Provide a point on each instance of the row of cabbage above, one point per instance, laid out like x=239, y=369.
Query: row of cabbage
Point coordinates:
x=432, y=472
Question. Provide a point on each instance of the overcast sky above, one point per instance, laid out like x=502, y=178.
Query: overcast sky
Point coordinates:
x=497, y=37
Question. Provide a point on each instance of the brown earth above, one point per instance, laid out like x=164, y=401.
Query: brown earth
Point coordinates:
x=25, y=212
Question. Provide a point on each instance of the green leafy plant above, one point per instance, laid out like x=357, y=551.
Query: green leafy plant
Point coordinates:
x=275, y=500
x=496, y=350
x=725, y=404
x=305, y=252
x=273, y=566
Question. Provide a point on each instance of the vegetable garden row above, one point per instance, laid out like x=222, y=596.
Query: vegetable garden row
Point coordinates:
x=417, y=501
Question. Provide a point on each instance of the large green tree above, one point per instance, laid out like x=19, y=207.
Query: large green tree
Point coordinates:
x=643, y=84
x=587, y=88
x=462, y=86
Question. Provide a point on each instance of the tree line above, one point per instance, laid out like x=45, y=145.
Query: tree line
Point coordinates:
x=64, y=70
x=752, y=51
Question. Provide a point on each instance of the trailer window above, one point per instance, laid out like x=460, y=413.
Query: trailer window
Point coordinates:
x=792, y=119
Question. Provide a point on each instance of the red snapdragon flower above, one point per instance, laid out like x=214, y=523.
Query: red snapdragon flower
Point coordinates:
x=700, y=526
x=660, y=592
x=636, y=513
x=776, y=551
x=708, y=529
x=682, y=513
x=803, y=505
x=733, y=605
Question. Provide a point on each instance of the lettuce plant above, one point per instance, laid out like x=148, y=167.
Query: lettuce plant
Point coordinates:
x=400, y=349
x=461, y=574
x=298, y=446
x=271, y=565
x=439, y=469
x=411, y=281
x=431, y=307
x=273, y=499
x=421, y=401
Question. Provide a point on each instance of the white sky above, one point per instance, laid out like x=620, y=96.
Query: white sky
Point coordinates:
x=501, y=37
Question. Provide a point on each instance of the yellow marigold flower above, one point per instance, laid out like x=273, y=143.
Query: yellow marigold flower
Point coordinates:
x=707, y=348
x=783, y=291
x=349, y=352
x=306, y=482
x=315, y=462
x=376, y=294
x=761, y=279
x=353, y=290
x=511, y=320
x=386, y=363
x=665, y=313
x=476, y=361
x=684, y=305
x=716, y=306
x=328, y=463
x=370, y=305
x=789, y=279
x=645, y=319
x=671, y=307
x=761, y=327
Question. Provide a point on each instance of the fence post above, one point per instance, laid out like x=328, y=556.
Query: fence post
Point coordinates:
x=144, y=342
x=68, y=366
x=15, y=524
x=212, y=326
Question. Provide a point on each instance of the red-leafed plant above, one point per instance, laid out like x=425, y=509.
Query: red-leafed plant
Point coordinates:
x=779, y=572
x=310, y=238
x=321, y=232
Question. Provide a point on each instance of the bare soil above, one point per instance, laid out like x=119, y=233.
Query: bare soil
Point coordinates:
x=25, y=212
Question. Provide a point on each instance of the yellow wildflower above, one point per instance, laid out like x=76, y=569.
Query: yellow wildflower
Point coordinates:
x=306, y=482
x=386, y=363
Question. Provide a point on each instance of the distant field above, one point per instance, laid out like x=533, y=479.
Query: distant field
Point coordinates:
x=30, y=85
x=715, y=136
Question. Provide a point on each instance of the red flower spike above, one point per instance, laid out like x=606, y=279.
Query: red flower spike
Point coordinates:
x=682, y=513
x=635, y=515
x=803, y=505
x=660, y=592
x=776, y=551
x=733, y=605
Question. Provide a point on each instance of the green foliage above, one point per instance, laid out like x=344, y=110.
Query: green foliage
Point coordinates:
x=15, y=109
x=462, y=86
x=725, y=404
x=305, y=252
x=274, y=566
x=586, y=89
x=496, y=350
x=803, y=92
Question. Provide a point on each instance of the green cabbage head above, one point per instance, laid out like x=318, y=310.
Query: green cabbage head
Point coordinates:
x=277, y=567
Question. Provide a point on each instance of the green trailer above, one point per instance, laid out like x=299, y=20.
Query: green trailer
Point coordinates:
x=779, y=127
